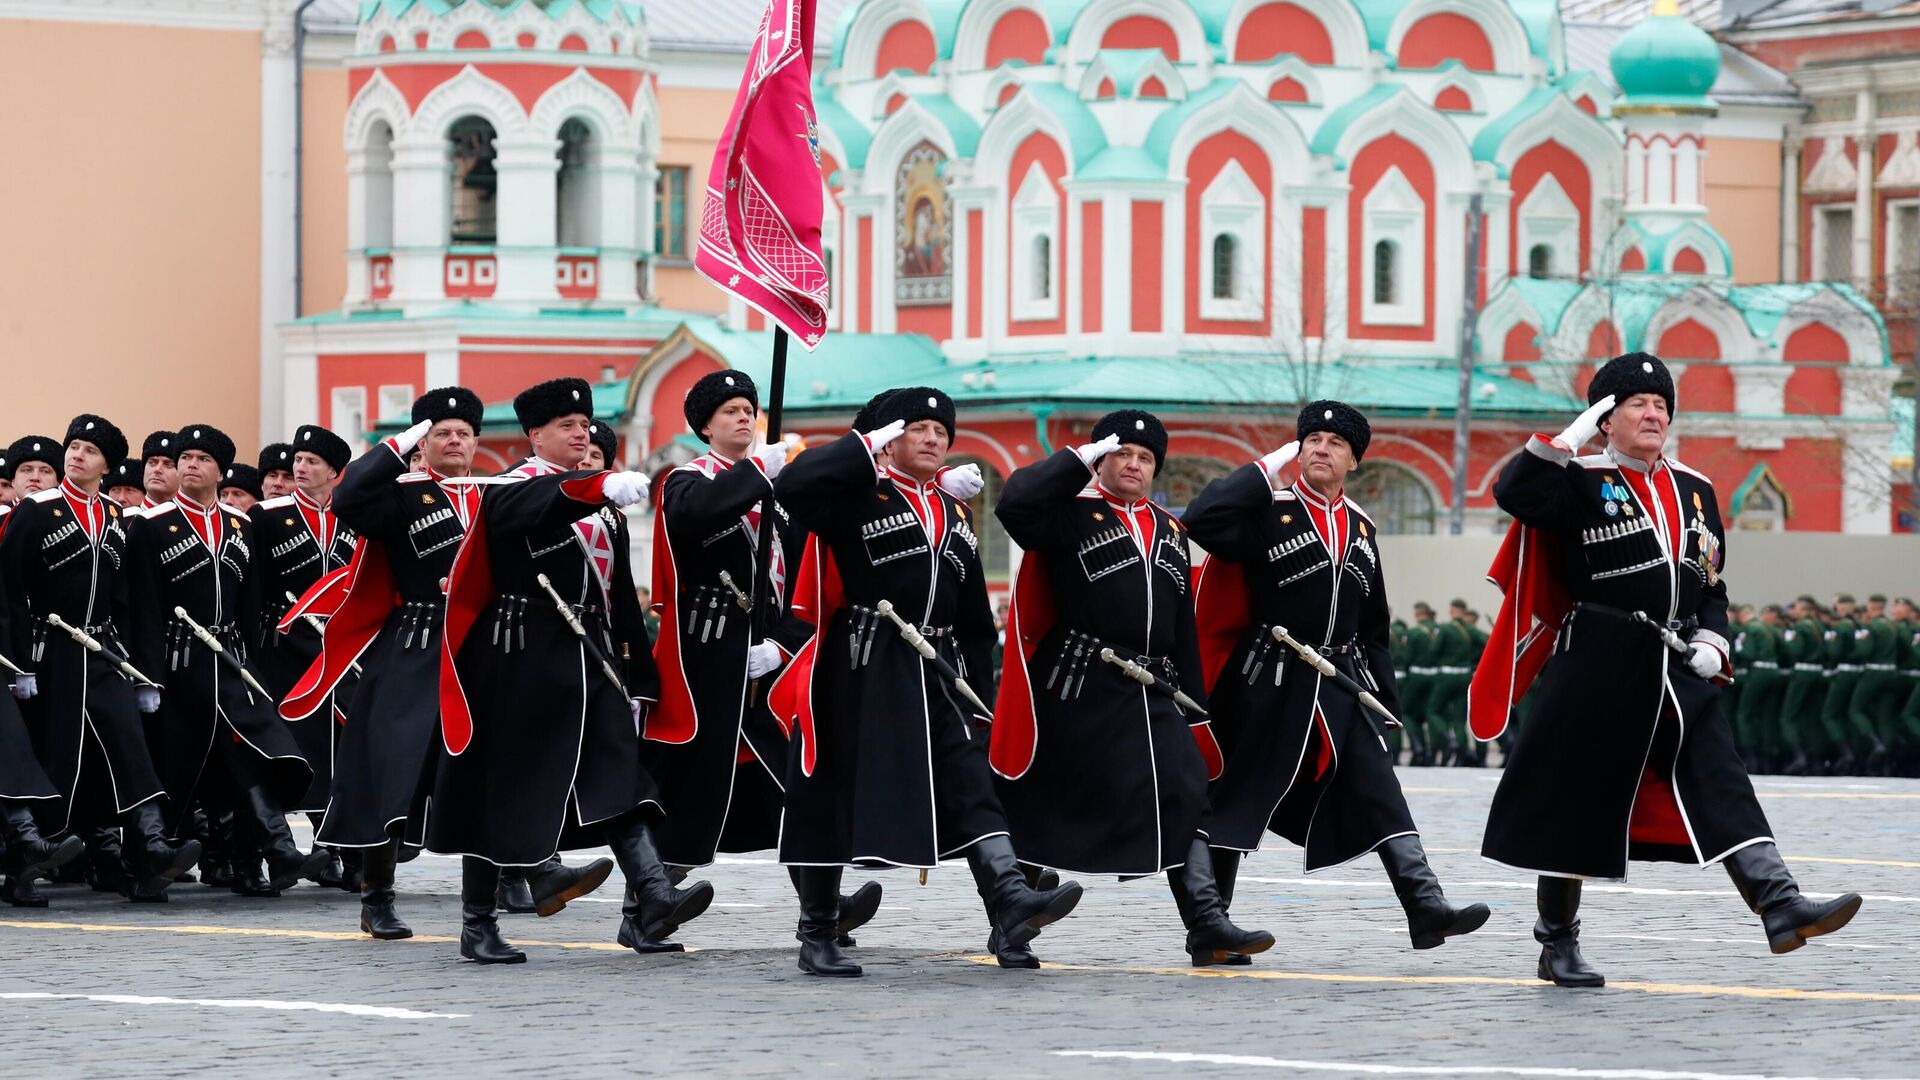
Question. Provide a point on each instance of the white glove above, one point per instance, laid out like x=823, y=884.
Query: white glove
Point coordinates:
x=1280, y=458
x=1705, y=660
x=880, y=437
x=147, y=699
x=962, y=482
x=639, y=707
x=25, y=685
x=410, y=438
x=625, y=488
x=1585, y=426
x=1093, y=452
x=772, y=458
x=762, y=657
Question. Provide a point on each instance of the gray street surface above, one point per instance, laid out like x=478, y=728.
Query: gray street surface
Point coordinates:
x=289, y=987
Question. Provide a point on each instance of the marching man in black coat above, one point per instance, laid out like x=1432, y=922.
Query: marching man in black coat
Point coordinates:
x=545, y=677
x=1101, y=772
x=885, y=767
x=194, y=598
x=298, y=541
x=1305, y=758
x=385, y=613
x=64, y=555
x=1615, y=599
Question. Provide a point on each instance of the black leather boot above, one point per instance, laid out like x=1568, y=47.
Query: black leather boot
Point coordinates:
x=1018, y=911
x=216, y=855
x=480, y=939
x=856, y=911
x=377, y=916
x=632, y=918
x=34, y=855
x=286, y=863
x=1797, y=766
x=350, y=880
x=1226, y=871
x=658, y=908
x=249, y=876
x=554, y=883
x=1430, y=919
x=106, y=870
x=1558, y=933
x=1211, y=935
x=1770, y=891
x=515, y=895
x=819, y=890
x=152, y=863
x=333, y=873
x=1015, y=956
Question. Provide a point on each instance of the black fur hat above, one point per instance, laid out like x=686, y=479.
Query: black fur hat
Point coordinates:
x=449, y=403
x=101, y=433
x=243, y=476
x=208, y=440
x=164, y=444
x=550, y=400
x=1138, y=427
x=323, y=444
x=915, y=403
x=1340, y=418
x=131, y=472
x=868, y=417
x=604, y=438
x=276, y=456
x=1633, y=373
x=715, y=389
x=42, y=448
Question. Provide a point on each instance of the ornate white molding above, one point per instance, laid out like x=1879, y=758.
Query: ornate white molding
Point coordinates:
x=1834, y=170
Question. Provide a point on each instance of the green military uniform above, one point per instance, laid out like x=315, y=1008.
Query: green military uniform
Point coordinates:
x=1730, y=694
x=1761, y=650
x=1453, y=658
x=1874, y=706
x=1397, y=655
x=1845, y=644
x=1802, y=646
x=1416, y=690
x=1474, y=747
x=1906, y=748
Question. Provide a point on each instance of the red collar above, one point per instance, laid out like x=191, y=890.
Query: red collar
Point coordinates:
x=924, y=497
x=86, y=507
x=204, y=519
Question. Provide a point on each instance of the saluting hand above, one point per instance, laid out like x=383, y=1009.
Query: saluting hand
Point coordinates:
x=880, y=437
x=962, y=482
x=625, y=488
x=1280, y=458
x=410, y=438
x=1093, y=452
x=1585, y=426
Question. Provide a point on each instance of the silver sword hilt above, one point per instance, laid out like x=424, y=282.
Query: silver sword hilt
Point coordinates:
x=91, y=644
x=1138, y=673
x=1325, y=667
x=580, y=630
x=213, y=643
x=741, y=598
x=912, y=635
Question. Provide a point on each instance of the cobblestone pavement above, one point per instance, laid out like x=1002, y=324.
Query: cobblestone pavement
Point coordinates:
x=281, y=987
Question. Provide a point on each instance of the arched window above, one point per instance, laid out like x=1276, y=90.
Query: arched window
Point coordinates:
x=1760, y=504
x=576, y=192
x=379, y=188
x=1386, y=267
x=1224, y=287
x=475, y=217
x=1036, y=226
x=1042, y=273
x=1394, y=497
x=1539, y=261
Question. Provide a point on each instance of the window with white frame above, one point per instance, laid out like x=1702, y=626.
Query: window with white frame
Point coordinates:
x=1393, y=233
x=1903, y=249
x=1233, y=226
x=347, y=415
x=396, y=401
x=1550, y=220
x=1833, y=243
x=1036, y=228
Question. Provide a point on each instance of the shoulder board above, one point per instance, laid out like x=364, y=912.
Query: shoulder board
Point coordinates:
x=1283, y=495
x=1595, y=461
x=274, y=503
x=48, y=495
x=134, y=513
x=509, y=478
x=1355, y=507
x=5, y=509
x=232, y=509
x=1695, y=473
x=1090, y=493
x=164, y=508
x=412, y=476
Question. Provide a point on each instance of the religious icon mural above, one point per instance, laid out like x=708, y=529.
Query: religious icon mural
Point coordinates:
x=923, y=229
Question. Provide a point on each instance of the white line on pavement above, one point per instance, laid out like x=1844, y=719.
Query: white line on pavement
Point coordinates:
x=385, y=1012
x=1529, y=886
x=1261, y=1062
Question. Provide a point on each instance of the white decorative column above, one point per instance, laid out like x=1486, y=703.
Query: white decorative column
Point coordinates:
x=422, y=219
x=619, y=173
x=1759, y=390
x=859, y=295
x=527, y=246
x=1790, y=209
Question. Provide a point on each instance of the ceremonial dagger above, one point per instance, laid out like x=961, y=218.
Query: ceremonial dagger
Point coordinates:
x=1671, y=640
x=741, y=598
x=206, y=638
x=912, y=635
x=93, y=644
x=320, y=628
x=579, y=631
x=1151, y=681
x=10, y=666
x=1325, y=667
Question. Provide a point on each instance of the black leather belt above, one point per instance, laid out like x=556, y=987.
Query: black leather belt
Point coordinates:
x=1678, y=626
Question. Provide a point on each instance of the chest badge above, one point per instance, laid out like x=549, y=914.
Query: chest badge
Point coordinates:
x=289, y=522
x=58, y=513
x=232, y=523
x=1612, y=508
x=1363, y=528
x=1098, y=516
x=1286, y=519
x=425, y=497
x=882, y=496
x=173, y=528
x=1696, y=503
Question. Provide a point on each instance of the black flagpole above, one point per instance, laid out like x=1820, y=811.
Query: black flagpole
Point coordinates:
x=763, y=550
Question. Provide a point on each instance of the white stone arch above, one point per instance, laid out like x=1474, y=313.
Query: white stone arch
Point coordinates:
x=1591, y=307
x=1003, y=78
x=1009, y=127
x=469, y=94
x=1459, y=77
x=443, y=33
x=581, y=96
x=1701, y=239
x=1561, y=121
x=1240, y=109
x=1405, y=115
x=1713, y=311
x=1345, y=29
x=377, y=102
x=976, y=25
x=869, y=27
x=1506, y=309
x=1083, y=42
x=1156, y=67
x=1495, y=18
x=900, y=133
x=1292, y=67
x=889, y=85
x=645, y=111
x=1832, y=310
x=1547, y=217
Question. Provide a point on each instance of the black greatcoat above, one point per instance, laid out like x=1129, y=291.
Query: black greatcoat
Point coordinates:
x=1115, y=783
x=52, y=565
x=1613, y=706
x=713, y=800
x=1303, y=758
x=21, y=776
x=554, y=746
x=411, y=525
x=205, y=706
x=892, y=772
x=291, y=556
